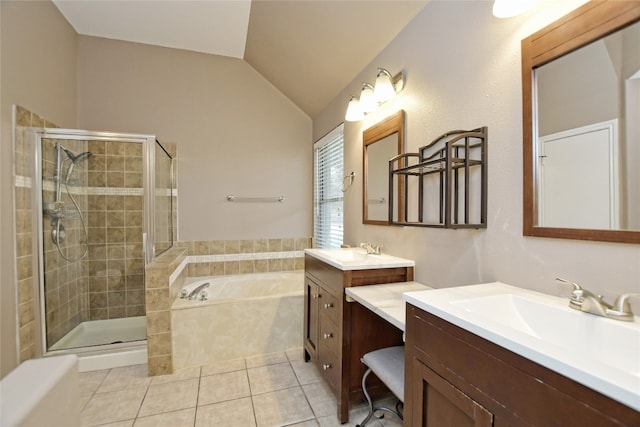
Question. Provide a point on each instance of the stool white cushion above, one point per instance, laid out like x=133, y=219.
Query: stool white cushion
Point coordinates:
x=388, y=365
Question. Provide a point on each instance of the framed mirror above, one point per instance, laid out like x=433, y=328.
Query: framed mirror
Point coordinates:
x=581, y=100
x=381, y=142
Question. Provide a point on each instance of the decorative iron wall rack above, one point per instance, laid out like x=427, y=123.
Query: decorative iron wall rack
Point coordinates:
x=444, y=184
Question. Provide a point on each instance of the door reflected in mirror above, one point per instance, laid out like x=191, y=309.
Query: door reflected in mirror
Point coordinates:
x=381, y=142
x=581, y=133
x=588, y=143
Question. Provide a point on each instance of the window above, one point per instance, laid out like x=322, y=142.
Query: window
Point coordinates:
x=328, y=223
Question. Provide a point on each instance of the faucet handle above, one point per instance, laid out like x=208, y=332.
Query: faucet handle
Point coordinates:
x=621, y=304
x=576, y=287
x=577, y=295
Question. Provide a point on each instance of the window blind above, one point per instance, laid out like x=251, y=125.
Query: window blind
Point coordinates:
x=328, y=209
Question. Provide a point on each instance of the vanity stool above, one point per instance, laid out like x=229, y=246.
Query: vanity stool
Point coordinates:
x=388, y=365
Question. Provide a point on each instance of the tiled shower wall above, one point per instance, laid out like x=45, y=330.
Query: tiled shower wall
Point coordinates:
x=24, y=233
x=115, y=219
x=108, y=188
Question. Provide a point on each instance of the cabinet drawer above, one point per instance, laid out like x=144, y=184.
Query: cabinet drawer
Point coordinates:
x=330, y=277
x=329, y=366
x=330, y=335
x=330, y=306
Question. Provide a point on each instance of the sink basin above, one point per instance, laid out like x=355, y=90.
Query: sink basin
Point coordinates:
x=601, y=353
x=357, y=259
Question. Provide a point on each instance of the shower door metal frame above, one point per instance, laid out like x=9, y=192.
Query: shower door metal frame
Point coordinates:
x=148, y=172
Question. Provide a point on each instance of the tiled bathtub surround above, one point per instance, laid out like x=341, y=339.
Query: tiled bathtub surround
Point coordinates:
x=164, y=277
x=225, y=257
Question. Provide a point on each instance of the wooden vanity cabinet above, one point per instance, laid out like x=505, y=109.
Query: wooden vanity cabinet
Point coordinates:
x=456, y=378
x=337, y=333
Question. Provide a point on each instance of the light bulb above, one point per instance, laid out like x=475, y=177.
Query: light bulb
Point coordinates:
x=383, y=90
x=367, y=100
x=354, y=112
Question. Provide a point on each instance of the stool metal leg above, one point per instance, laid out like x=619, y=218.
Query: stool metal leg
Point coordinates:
x=369, y=401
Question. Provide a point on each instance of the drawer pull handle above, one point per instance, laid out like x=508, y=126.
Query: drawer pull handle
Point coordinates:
x=326, y=366
x=315, y=296
x=329, y=305
x=329, y=335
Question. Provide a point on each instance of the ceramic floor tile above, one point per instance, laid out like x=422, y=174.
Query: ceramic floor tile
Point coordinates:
x=170, y=397
x=282, y=407
x=223, y=387
x=182, y=418
x=271, y=378
x=295, y=354
x=83, y=401
x=320, y=398
x=307, y=372
x=125, y=378
x=182, y=374
x=112, y=406
x=266, y=359
x=224, y=366
x=310, y=423
x=90, y=381
x=127, y=423
x=232, y=413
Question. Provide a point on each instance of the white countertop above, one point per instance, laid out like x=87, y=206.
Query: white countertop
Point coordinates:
x=357, y=259
x=589, y=349
x=385, y=300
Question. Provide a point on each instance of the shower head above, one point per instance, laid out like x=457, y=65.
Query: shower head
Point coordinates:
x=75, y=159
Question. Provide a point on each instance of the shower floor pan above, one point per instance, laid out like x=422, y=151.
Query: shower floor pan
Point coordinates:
x=102, y=332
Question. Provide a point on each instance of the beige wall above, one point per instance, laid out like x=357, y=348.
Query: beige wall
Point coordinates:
x=236, y=134
x=463, y=71
x=38, y=60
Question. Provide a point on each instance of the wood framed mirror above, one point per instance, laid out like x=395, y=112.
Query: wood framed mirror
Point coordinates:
x=381, y=142
x=549, y=209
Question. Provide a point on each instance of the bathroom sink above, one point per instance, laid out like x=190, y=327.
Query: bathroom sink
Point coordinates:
x=357, y=259
x=601, y=353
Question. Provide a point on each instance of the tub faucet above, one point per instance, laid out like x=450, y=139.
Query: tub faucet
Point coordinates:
x=373, y=250
x=583, y=300
x=194, y=293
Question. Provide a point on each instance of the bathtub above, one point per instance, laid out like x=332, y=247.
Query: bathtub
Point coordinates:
x=243, y=315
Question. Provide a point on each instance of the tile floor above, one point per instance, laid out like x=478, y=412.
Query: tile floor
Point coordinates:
x=277, y=389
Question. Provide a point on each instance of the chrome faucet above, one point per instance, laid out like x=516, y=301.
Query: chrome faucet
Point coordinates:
x=584, y=300
x=371, y=250
x=194, y=293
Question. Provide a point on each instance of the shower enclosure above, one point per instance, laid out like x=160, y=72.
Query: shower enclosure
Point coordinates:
x=103, y=209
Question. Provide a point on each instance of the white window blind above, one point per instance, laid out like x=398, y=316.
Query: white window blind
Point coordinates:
x=328, y=209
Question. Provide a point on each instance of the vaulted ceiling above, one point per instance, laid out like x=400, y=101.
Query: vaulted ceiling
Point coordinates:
x=309, y=49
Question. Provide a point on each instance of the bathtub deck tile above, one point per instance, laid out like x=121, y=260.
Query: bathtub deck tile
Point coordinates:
x=271, y=378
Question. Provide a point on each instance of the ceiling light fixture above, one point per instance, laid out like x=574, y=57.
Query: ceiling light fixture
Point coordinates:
x=386, y=87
